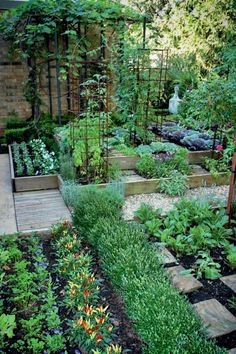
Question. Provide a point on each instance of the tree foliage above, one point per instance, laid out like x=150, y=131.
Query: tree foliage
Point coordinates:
x=196, y=27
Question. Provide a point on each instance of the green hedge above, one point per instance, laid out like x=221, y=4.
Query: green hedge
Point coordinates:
x=16, y=122
x=162, y=317
x=17, y=135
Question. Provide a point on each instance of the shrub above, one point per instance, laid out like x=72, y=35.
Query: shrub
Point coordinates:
x=67, y=168
x=162, y=164
x=162, y=317
x=16, y=122
x=146, y=166
x=213, y=102
x=88, y=207
x=17, y=135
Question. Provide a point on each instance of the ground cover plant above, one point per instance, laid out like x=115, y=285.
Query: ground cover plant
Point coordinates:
x=162, y=318
x=193, y=229
x=33, y=159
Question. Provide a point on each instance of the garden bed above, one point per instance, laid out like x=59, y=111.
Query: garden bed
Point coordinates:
x=129, y=162
x=145, y=186
x=199, y=255
x=47, y=313
x=30, y=183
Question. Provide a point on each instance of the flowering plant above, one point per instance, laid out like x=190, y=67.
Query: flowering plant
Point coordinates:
x=34, y=159
x=44, y=161
x=90, y=325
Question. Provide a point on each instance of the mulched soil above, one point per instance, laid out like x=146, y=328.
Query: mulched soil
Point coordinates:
x=213, y=289
x=124, y=334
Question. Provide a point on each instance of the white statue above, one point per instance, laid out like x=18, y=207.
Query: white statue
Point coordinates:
x=174, y=101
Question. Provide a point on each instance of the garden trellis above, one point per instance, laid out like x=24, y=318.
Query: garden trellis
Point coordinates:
x=72, y=45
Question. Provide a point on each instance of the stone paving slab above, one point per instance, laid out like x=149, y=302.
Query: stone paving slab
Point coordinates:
x=232, y=351
x=165, y=256
x=230, y=281
x=185, y=283
x=7, y=209
x=216, y=317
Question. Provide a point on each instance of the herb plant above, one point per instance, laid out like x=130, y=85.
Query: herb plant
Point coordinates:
x=177, y=185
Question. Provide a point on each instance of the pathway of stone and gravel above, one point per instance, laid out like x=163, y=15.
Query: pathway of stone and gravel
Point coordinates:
x=158, y=200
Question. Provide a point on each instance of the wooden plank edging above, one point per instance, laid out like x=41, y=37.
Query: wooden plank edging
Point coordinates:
x=151, y=185
x=129, y=162
x=31, y=183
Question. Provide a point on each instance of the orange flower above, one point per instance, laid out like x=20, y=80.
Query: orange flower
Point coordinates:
x=100, y=320
x=89, y=310
x=102, y=309
x=85, y=324
x=86, y=292
x=99, y=338
x=80, y=321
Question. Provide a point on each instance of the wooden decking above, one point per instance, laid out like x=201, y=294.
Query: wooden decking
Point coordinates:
x=26, y=212
x=39, y=210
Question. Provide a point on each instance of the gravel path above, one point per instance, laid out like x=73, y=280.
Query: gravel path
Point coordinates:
x=158, y=200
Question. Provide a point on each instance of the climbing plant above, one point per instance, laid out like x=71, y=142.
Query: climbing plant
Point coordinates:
x=31, y=26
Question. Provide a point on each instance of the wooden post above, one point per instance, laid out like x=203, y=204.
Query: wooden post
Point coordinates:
x=232, y=184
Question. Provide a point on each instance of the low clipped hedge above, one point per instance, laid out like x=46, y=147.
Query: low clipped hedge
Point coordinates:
x=162, y=317
x=16, y=122
x=17, y=135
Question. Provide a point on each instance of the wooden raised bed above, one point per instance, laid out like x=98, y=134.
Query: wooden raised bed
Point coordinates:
x=31, y=183
x=129, y=162
x=150, y=185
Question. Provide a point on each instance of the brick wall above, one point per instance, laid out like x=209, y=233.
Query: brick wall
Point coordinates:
x=14, y=75
x=12, y=78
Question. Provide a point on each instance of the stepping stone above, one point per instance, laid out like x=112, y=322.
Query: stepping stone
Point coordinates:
x=230, y=281
x=185, y=283
x=216, y=317
x=198, y=170
x=232, y=351
x=164, y=255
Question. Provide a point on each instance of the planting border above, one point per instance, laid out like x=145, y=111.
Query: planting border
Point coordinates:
x=150, y=185
x=31, y=183
x=129, y=162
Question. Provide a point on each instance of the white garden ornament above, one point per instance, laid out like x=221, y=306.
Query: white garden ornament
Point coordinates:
x=174, y=101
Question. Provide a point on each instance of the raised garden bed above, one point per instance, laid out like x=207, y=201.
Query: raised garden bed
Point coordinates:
x=30, y=183
x=145, y=186
x=129, y=162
